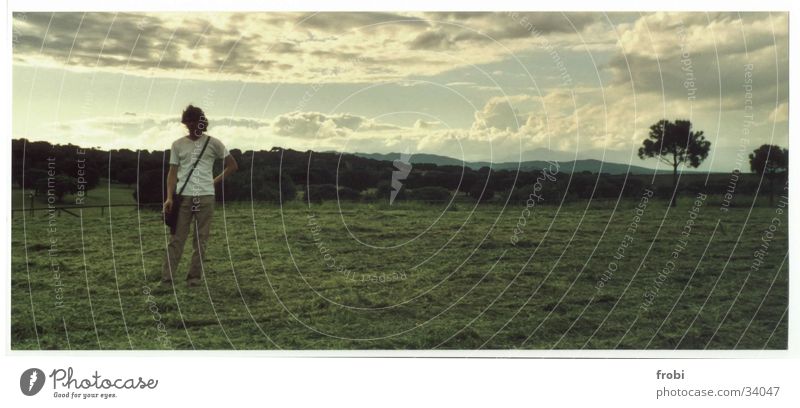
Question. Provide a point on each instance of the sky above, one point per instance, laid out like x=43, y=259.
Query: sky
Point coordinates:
x=497, y=87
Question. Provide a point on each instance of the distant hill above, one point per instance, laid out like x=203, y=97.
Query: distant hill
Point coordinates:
x=577, y=166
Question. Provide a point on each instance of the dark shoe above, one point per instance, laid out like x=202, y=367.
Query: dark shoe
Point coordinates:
x=166, y=283
x=193, y=283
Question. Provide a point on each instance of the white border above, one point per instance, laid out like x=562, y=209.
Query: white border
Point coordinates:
x=242, y=5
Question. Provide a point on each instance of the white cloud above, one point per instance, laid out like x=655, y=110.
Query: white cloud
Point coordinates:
x=320, y=125
x=426, y=124
x=780, y=113
x=502, y=113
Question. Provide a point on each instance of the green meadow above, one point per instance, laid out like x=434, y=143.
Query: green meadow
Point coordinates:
x=406, y=276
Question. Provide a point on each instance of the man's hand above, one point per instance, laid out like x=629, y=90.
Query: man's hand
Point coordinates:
x=230, y=167
x=172, y=181
x=167, y=206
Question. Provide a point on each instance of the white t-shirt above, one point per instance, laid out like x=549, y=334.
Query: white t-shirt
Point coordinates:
x=184, y=153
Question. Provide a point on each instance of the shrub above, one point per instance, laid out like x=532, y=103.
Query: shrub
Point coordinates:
x=152, y=187
x=348, y=194
x=317, y=193
x=430, y=194
x=384, y=192
x=479, y=193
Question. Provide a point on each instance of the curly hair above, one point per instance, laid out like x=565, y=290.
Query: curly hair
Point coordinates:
x=194, y=114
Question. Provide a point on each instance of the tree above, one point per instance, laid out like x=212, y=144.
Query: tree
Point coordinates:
x=770, y=161
x=128, y=175
x=152, y=187
x=57, y=186
x=675, y=144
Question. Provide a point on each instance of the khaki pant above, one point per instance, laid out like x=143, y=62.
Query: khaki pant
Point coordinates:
x=197, y=210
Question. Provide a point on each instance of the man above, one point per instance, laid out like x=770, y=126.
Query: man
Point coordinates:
x=197, y=198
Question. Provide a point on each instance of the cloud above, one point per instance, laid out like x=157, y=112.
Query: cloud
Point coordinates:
x=780, y=113
x=338, y=22
x=430, y=40
x=502, y=113
x=703, y=56
x=141, y=131
x=371, y=47
x=276, y=47
x=265, y=47
x=512, y=25
x=426, y=124
x=650, y=66
x=320, y=125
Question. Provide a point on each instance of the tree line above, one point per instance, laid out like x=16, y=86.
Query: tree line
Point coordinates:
x=284, y=174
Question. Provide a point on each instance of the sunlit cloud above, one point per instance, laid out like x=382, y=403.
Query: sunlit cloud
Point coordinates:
x=475, y=85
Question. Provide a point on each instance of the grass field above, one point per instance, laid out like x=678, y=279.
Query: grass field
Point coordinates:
x=407, y=276
x=105, y=193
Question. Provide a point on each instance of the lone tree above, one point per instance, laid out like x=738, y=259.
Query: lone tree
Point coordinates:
x=770, y=161
x=57, y=187
x=675, y=144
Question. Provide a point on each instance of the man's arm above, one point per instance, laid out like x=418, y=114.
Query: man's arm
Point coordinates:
x=230, y=167
x=172, y=182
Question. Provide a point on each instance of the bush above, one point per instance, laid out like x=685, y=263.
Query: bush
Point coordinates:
x=266, y=192
x=384, y=192
x=317, y=193
x=264, y=187
x=430, y=194
x=287, y=188
x=479, y=193
x=549, y=192
x=634, y=187
x=348, y=194
x=697, y=186
x=607, y=188
x=152, y=187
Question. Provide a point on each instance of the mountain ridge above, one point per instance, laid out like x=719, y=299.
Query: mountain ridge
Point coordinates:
x=570, y=166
